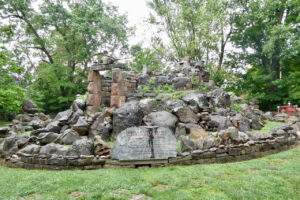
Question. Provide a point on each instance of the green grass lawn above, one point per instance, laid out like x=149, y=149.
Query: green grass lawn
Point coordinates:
x=268, y=126
x=3, y=123
x=272, y=177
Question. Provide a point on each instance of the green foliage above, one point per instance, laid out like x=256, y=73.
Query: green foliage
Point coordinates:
x=63, y=37
x=146, y=89
x=236, y=107
x=11, y=94
x=179, y=95
x=161, y=89
x=100, y=108
x=272, y=177
x=270, y=30
x=145, y=57
x=152, y=81
x=201, y=88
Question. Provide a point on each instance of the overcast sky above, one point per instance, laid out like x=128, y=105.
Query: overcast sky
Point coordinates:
x=137, y=12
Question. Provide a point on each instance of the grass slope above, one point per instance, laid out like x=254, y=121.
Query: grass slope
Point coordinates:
x=3, y=123
x=272, y=177
x=268, y=126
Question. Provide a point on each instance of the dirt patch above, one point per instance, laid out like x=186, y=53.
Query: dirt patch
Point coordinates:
x=140, y=197
x=31, y=197
x=120, y=192
x=76, y=194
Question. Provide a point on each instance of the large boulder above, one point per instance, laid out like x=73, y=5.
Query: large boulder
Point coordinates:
x=147, y=105
x=195, y=131
x=243, y=124
x=180, y=82
x=281, y=117
x=29, y=107
x=187, y=145
x=31, y=149
x=46, y=138
x=161, y=118
x=172, y=104
x=220, y=98
x=4, y=132
x=128, y=115
x=186, y=115
x=83, y=147
x=143, y=79
x=81, y=126
x=38, y=123
x=101, y=126
x=78, y=104
x=64, y=117
x=218, y=122
x=9, y=145
x=68, y=137
x=196, y=99
x=161, y=80
x=53, y=127
x=54, y=149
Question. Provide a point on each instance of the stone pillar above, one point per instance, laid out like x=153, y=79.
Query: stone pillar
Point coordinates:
x=118, y=88
x=94, y=92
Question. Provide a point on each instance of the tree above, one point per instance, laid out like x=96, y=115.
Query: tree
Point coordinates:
x=268, y=33
x=199, y=29
x=11, y=94
x=64, y=37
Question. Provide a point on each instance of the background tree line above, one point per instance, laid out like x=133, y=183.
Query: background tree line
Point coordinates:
x=250, y=47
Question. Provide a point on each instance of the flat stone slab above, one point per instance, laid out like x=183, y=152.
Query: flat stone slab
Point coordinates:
x=145, y=142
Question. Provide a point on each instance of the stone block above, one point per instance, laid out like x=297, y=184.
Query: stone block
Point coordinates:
x=94, y=88
x=117, y=101
x=117, y=89
x=93, y=76
x=93, y=100
x=234, y=151
x=117, y=76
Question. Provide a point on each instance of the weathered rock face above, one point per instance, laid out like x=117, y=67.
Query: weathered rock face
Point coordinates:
x=129, y=115
x=147, y=105
x=46, y=138
x=68, y=137
x=9, y=145
x=281, y=117
x=53, y=127
x=102, y=127
x=218, y=122
x=196, y=99
x=242, y=123
x=220, y=98
x=100, y=147
x=81, y=126
x=170, y=105
x=187, y=145
x=143, y=79
x=31, y=149
x=83, y=147
x=186, y=115
x=145, y=142
x=161, y=118
x=54, y=149
x=64, y=117
x=29, y=107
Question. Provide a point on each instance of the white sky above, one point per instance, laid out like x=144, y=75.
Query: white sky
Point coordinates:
x=137, y=12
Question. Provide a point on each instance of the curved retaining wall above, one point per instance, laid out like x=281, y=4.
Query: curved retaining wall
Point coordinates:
x=222, y=154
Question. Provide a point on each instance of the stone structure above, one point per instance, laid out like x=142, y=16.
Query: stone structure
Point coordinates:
x=147, y=142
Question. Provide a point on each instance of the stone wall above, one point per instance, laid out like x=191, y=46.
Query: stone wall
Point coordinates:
x=231, y=153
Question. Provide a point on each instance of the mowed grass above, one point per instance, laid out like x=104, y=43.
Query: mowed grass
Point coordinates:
x=272, y=177
x=3, y=123
x=268, y=126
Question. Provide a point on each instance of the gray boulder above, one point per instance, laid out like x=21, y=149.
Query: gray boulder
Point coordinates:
x=147, y=105
x=31, y=149
x=161, y=118
x=180, y=82
x=186, y=115
x=268, y=116
x=196, y=99
x=68, y=137
x=46, y=138
x=187, y=145
x=83, y=147
x=128, y=115
x=29, y=107
x=242, y=122
x=9, y=145
x=220, y=98
x=170, y=105
x=64, y=117
x=161, y=80
x=54, y=149
x=53, y=127
x=4, y=132
x=143, y=79
x=81, y=126
x=281, y=117
x=219, y=122
x=102, y=127
x=78, y=104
